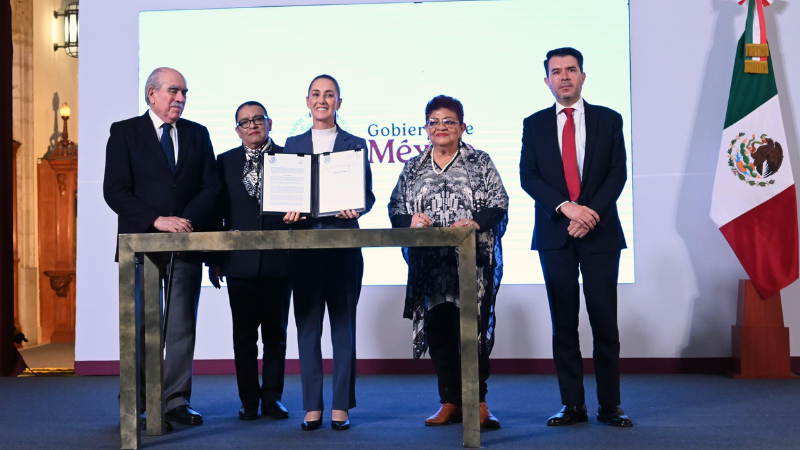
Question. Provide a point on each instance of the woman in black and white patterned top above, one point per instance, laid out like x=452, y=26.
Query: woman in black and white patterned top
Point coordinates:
x=450, y=185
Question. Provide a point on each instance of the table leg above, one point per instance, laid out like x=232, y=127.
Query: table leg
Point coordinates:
x=154, y=356
x=128, y=351
x=470, y=396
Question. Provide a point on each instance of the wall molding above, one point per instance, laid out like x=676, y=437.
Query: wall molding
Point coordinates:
x=713, y=366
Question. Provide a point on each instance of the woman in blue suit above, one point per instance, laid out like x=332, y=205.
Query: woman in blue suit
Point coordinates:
x=330, y=277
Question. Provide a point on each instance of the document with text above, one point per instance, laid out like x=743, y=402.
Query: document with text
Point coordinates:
x=341, y=182
x=286, y=182
x=315, y=185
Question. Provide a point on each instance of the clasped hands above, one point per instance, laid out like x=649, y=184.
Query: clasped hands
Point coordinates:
x=421, y=220
x=582, y=219
x=173, y=224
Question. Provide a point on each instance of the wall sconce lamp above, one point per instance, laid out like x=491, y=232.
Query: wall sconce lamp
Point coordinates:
x=65, y=148
x=71, y=29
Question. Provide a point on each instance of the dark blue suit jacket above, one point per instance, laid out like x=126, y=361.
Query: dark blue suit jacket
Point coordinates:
x=604, y=175
x=139, y=186
x=344, y=141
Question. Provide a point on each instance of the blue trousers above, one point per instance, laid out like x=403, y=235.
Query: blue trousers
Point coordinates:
x=327, y=278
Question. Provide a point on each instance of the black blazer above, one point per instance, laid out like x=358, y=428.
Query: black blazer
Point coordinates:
x=239, y=211
x=604, y=175
x=344, y=141
x=139, y=186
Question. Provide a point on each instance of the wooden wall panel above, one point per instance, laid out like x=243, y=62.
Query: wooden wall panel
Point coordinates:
x=58, y=181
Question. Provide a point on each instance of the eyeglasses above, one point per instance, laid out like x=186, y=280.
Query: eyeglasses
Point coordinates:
x=448, y=123
x=257, y=121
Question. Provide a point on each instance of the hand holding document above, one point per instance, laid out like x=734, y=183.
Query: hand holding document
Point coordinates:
x=347, y=214
x=292, y=217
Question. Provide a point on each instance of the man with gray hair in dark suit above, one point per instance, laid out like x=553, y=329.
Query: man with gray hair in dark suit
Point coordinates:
x=161, y=177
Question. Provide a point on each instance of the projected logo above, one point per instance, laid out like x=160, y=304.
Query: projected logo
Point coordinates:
x=398, y=143
x=754, y=160
x=304, y=122
x=391, y=151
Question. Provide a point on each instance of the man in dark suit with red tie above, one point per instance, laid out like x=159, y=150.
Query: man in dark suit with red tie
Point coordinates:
x=161, y=176
x=573, y=165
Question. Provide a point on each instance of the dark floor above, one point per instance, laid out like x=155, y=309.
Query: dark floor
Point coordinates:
x=669, y=412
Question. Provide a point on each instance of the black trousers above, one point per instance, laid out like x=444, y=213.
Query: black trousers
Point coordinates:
x=329, y=278
x=261, y=302
x=442, y=331
x=600, y=272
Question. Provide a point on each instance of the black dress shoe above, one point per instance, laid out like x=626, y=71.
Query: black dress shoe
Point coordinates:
x=614, y=416
x=167, y=425
x=248, y=413
x=274, y=409
x=569, y=414
x=185, y=415
x=340, y=425
x=310, y=425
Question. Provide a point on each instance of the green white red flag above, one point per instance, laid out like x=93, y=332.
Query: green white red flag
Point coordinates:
x=754, y=202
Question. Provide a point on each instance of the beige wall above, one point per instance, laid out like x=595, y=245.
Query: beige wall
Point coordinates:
x=55, y=78
x=43, y=80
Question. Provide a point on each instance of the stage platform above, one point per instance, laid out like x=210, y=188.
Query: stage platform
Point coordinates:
x=669, y=412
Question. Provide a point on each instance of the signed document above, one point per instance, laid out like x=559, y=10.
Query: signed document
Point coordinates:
x=286, y=183
x=341, y=182
x=315, y=185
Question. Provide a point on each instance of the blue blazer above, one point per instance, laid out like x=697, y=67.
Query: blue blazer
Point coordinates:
x=344, y=141
x=605, y=172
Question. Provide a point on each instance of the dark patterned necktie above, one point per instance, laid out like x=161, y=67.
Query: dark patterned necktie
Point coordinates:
x=168, y=146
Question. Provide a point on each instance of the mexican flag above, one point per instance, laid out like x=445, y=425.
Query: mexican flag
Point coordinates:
x=754, y=202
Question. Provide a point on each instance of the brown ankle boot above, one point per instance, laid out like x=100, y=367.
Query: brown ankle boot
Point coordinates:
x=488, y=420
x=446, y=415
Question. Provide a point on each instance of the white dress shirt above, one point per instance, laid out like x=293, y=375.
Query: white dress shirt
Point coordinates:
x=173, y=133
x=580, y=130
x=323, y=140
x=579, y=117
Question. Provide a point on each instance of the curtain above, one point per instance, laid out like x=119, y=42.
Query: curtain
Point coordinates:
x=11, y=363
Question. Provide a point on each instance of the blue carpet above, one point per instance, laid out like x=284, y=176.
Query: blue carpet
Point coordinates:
x=669, y=412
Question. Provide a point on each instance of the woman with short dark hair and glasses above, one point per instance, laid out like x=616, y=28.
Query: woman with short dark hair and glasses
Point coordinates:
x=327, y=277
x=258, y=281
x=452, y=184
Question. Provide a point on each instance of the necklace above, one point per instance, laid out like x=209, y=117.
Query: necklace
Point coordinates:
x=433, y=163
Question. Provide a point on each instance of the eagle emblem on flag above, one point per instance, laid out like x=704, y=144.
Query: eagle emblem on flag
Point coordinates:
x=754, y=160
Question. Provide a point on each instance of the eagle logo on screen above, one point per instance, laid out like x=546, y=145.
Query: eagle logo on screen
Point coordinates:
x=304, y=122
x=755, y=160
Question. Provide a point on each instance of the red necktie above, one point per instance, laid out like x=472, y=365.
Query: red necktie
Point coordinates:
x=569, y=156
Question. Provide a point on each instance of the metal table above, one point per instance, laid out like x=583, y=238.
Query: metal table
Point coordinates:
x=152, y=244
